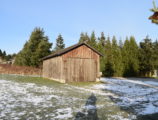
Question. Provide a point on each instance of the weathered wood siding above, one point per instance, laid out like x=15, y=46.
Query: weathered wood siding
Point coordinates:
x=81, y=52
x=80, y=70
x=52, y=68
x=81, y=64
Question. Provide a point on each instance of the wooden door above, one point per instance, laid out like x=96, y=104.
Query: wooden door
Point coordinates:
x=79, y=70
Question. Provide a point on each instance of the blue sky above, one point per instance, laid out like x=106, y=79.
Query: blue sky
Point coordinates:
x=71, y=17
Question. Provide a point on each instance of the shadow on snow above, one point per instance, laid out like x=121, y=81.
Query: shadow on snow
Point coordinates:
x=90, y=112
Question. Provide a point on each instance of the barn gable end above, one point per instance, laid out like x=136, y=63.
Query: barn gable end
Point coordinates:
x=81, y=52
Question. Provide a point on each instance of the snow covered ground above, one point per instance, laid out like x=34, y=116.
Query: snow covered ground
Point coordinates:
x=140, y=97
x=114, y=99
x=31, y=101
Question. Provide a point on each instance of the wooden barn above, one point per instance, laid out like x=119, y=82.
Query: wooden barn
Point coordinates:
x=78, y=63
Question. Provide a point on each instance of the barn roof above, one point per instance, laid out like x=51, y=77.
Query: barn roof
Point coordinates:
x=63, y=51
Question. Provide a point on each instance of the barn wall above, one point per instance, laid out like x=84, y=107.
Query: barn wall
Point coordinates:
x=80, y=70
x=52, y=68
x=86, y=53
x=98, y=66
x=81, y=64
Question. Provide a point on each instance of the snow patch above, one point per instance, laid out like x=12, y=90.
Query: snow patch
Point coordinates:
x=151, y=83
x=63, y=113
x=90, y=107
x=31, y=101
x=149, y=109
x=139, y=95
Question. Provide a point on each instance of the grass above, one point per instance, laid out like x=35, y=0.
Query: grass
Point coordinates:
x=42, y=81
x=80, y=84
x=29, y=79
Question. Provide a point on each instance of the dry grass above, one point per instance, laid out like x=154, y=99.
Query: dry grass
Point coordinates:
x=22, y=70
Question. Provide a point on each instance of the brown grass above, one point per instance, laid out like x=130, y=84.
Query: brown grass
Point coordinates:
x=22, y=70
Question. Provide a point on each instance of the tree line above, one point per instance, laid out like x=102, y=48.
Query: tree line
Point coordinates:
x=6, y=57
x=124, y=58
x=120, y=57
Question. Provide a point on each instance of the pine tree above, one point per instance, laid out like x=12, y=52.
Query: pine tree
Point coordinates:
x=101, y=49
x=155, y=54
x=87, y=38
x=34, y=49
x=82, y=38
x=1, y=53
x=125, y=55
x=120, y=44
x=93, y=41
x=116, y=58
x=102, y=39
x=109, y=68
x=108, y=49
x=101, y=44
x=59, y=43
x=108, y=71
x=146, y=57
x=134, y=62
x=130, y=54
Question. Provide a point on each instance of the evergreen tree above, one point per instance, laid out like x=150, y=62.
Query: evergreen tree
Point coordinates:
x=87, y=38
x=134, y=54
x=125, y=56
x=108, y=49
x=116, y=58
x=34, y=49
x=146, y=57
x=130, y=54
x=155, y=54
x=93, y=41
x=6, y=57
x=120, y=44
x=59, y=43
x=101, y=49
x=102, y=39
x=108, y=70
x=1, y=53
x=83, y=37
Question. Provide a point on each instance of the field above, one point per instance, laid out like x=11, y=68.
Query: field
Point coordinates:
x=23, y=97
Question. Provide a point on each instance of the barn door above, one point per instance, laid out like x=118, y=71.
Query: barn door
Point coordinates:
x=79, y=70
